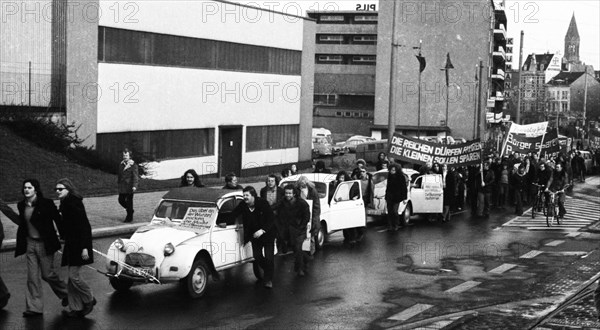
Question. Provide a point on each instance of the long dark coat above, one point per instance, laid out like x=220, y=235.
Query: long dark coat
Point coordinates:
x=450, y=188
x=43, y=218
x=127, y=178
x=77, y=232
x=396, y=190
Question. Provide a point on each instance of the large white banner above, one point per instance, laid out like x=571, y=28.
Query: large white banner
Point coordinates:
x=531, y=130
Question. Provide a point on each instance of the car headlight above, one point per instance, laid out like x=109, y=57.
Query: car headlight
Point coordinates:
x=120, y=245
x=169, y=249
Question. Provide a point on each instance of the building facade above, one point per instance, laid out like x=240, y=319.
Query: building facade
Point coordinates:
x=469, y=31
x=345, y=57
x=565, y=99
x=200, y=87
x=536, y=72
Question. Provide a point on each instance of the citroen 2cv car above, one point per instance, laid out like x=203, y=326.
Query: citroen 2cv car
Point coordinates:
x=192, y=236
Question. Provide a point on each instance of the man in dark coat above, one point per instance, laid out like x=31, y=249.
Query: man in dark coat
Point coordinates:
x=395, y=193
x=297, y=213
x=259, y=228
x=273, y=194
x=518, y=181
x=14, y=217
x=37, y=239
x=128, y=179
x=485, y=184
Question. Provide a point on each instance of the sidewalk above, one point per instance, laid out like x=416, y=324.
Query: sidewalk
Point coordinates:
x=106, y=215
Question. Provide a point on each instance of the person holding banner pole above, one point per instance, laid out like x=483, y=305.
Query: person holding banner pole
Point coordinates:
x=484, y=193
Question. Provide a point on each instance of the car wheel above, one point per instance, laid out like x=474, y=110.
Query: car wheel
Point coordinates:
x=405, y=216
x=197, y=279
x=120, y=284
x=321, y=236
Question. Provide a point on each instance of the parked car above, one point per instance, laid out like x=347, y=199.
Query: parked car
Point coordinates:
x=192, y=235
x=346, y=209
x=425, y=195
x=354, y=141
x=323, y=143
x=369, y=151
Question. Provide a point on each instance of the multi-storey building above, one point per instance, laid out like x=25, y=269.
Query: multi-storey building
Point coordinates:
x=345, y=57
x=191, y=84
x=537, y=70
x=565, y=98
x=469, y=31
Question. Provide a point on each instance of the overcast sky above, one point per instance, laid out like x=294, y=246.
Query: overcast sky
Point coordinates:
x=545, y=22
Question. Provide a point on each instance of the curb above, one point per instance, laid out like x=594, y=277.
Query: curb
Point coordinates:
x=10, y=244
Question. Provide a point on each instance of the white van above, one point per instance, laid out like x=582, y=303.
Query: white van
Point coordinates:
x=323, y=143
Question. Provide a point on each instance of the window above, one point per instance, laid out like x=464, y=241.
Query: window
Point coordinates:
x=325, y=99
x=147, y=48
x=366, y=18
x=331, y=38
x=332, y=18
x=365, y=115
x=271, y=137
x=329, y=58
x=371, y=39
x=364, y=59
x=348, y=114
x=157, y=145
x=225, y=211
x=339, y=114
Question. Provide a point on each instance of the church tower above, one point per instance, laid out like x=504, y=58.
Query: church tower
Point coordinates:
x=572, y=43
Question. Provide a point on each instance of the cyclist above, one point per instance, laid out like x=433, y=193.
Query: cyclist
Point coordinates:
x=558, y=181
x=544, y=175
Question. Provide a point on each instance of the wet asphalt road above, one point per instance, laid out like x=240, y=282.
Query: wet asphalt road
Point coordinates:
x=347, y=287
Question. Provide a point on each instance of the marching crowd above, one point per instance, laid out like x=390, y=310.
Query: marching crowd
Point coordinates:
x=275, y=214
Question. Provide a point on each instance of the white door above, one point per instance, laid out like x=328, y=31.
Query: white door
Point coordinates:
x=427, y=194
x=347, y=209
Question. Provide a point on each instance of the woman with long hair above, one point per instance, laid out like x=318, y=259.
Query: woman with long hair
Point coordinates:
x=77, y=251
x=191, y=179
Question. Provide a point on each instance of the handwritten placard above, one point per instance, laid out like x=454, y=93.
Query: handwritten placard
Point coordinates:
x=199, y=217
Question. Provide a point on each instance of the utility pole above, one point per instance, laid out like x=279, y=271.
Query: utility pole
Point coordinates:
x=585, y=88
x=479, y=115
x=518, y=120
x=392, y=109
x=475, y=118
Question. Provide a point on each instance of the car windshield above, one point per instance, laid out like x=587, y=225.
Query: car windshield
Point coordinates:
x=176, y=210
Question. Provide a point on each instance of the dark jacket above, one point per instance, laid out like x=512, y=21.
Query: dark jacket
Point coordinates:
x=450, y=188
x=127, y=178
x=227, y=187
x=519, y=182
x=557, y=181
x=313, y=195
x=44, y=216
x=278, y=196
x=76, y=232
x=544, y=177
x=296, y=215
x=396, y=191
x=261, y=218
x=488, y=179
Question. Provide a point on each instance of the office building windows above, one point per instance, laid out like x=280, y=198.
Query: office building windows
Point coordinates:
x=271, y=137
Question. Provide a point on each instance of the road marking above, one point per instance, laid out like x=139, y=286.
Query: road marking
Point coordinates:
x=463, y=287
x=437, y=325
x=531, y=254
x=410, y=312
x=580, y=213
x=555, y=243
x=572, y=234
x=502, y=268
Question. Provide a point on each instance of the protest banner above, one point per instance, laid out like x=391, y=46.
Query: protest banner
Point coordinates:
x=417, y=151
x=531, y=130
x=594, y=139
x=519, y=145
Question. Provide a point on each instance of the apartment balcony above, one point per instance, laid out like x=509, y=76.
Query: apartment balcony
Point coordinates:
x=499, y=74
x=500, y=32
x=500, y=53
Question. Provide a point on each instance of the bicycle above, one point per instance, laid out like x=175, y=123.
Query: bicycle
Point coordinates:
x=553, y=211
x=539, y=205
